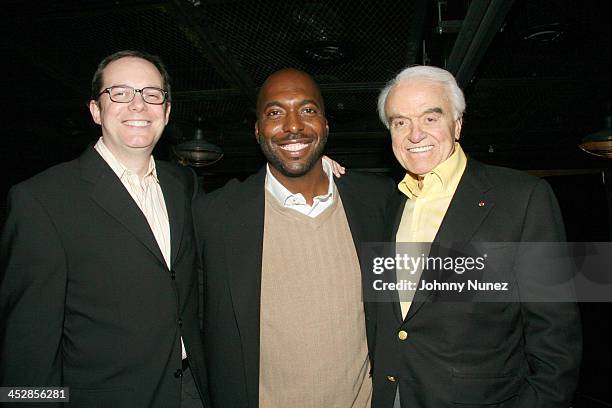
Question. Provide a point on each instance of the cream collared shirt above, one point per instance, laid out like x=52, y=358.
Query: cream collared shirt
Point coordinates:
x=426, y=206
x=149, y=197
x=297, y=201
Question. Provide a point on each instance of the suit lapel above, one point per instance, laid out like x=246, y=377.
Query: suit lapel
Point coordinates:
x=174, y=197
x=466, y=212
x=357, y=215
x=244, y=246
x=110, y=194
x=355, y=212
x=468, y=208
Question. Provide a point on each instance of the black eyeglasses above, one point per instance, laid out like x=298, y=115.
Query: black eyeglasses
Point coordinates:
x=125, y=94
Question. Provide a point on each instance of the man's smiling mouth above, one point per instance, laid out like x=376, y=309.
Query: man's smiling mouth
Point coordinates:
x=421, y=149
x=293, y=147
x=137, y=123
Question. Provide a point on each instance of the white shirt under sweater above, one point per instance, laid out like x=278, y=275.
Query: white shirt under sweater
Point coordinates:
x=297, y=201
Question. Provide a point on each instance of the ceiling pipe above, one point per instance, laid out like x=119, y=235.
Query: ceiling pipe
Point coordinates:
x=195, y=21
x=483, y=20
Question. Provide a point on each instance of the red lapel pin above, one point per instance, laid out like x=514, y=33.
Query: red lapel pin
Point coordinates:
x=481, y=203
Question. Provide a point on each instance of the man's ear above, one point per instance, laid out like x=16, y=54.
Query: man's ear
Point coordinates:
x=168, y=106
x=257, y=131
x=458, y=124
x=94, y=109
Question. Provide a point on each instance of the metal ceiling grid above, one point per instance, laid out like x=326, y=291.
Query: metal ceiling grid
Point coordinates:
x=26, y=84
x=85, y=37
x=224, y=114
x=561, y=109
x=269, y=37
x=50, y=9
x=525, y=61
x=546, y=39
x=356, y=111
x=497, y=107
x=520, y=118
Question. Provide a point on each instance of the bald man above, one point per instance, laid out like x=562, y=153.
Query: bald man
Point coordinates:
x=284, y=322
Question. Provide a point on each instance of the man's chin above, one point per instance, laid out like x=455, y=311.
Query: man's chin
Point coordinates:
x=292, y=171
x=292, y=168
x=417, y=169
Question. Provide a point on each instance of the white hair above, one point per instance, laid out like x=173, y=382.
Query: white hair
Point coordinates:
x=429, y=73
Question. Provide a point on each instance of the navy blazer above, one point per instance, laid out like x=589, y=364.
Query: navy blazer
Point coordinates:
x=87, y=300
x=497, y=354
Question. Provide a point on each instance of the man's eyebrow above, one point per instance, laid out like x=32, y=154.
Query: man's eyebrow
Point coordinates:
x=425, y=112
x=393, y=117
x=433, y=110
x=270, y=104
x=310, y=101
x=302, y=103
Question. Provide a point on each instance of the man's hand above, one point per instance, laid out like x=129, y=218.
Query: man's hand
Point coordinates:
x=337, y=169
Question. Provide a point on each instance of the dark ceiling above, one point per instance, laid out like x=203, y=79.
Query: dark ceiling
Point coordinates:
x=537, y=73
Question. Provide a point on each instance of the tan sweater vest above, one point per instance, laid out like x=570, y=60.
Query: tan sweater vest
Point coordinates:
x=313, y=349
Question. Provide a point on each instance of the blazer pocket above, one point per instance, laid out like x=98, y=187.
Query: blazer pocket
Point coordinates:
x=483, y=388
x=116, y=397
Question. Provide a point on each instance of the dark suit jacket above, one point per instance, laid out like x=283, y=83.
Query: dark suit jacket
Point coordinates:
x=87, y=300
x=231, y=224
x=482, y=354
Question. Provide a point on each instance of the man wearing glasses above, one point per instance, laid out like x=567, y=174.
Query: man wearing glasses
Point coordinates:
x=98, y=287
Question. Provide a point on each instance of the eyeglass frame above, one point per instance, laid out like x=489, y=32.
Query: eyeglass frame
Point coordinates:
x=134, y=91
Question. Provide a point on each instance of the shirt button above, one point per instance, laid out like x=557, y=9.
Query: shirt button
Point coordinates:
x=391, y=378
x=402, y=334
x=172, y=275
x=178, y=373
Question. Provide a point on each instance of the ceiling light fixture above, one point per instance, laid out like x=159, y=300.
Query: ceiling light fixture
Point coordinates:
x=196, y=151
x=600, y=142
x=322, y=29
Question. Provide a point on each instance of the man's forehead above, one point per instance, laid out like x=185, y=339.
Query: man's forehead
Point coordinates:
x=129, y=68
x=419, y=89
x=289, y=85
x=420, y=96
x=399, y=113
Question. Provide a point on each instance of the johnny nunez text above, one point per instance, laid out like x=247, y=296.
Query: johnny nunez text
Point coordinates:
x=474, y=285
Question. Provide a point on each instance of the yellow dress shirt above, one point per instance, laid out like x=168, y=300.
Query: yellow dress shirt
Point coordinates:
x=427, y=205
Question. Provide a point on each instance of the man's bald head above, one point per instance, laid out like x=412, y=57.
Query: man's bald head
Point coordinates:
x=291, y=127
x=287, y=79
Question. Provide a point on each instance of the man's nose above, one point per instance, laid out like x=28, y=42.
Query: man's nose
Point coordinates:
x=138, y=103
x=293, y=123
x=416, y=134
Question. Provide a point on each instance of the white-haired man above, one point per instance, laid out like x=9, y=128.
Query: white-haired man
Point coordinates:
x=442, y=354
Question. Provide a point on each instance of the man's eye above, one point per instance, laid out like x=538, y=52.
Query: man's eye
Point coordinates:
x=273, y=113
x=398, y=123
x=309, y=111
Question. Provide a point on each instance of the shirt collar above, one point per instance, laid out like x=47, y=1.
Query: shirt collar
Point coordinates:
x=440, y=179
x=118, y=168
x=286, y=197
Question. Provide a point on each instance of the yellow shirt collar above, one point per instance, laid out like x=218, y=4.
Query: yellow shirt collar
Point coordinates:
x=444, y=176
